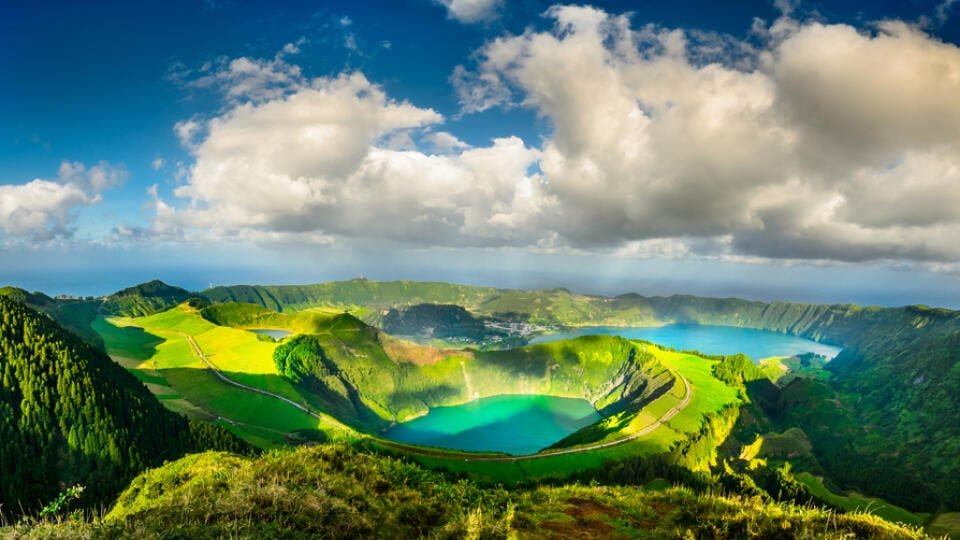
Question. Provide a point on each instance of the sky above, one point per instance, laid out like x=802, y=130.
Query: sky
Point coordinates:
x=776, y=150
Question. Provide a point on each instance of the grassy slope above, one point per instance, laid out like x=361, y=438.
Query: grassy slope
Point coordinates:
x=216, y=495
x=167, y=360
x=709, y=395
x=159, y=354
x=855, y=502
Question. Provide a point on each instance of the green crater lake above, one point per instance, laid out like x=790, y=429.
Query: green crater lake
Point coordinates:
x=515, y=424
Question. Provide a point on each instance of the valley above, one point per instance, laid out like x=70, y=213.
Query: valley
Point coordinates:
x=317, y=374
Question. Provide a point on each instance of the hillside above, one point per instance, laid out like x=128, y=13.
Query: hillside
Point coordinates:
x=364, y=379
x=433, y=320
x=883, y=420
x=894, y=382
x=331, y=491
x=74, y=314
x=69, y=415
x=144, y=299
x=348, y=294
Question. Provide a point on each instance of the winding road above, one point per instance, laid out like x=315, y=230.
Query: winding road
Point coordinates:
x=228, y=380
x=673, y=411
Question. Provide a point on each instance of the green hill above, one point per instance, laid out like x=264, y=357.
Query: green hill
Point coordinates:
x=433, y=320
x=347, y=294
x=366, y=380
x=74, y=314
x=69, y=415
x=882, y=421
x=144, y=299
x=331, y=491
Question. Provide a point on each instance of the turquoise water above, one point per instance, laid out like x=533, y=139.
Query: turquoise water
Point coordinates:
x=513, y=424
x=724, y=340
x=275, y=334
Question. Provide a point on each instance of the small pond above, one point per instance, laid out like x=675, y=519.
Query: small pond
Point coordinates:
x=275, y=334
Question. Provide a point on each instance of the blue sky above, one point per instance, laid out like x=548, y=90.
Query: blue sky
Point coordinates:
x=773, y=150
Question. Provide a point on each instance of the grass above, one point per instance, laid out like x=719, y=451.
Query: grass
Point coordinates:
x=710, y=395
x=947, y=524
x=187, y=384
x=175, y=373
x=332, y=491
x=156, y=351
x=855, y=502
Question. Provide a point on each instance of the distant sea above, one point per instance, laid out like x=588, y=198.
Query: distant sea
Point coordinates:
x=96, y=278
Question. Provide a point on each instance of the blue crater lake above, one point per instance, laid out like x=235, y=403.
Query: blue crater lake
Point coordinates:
x=720, y=340
x=275, y=334
x=515, y=424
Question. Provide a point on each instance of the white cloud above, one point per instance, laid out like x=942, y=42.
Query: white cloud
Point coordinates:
x=350, y=41
x=336, y=158
x=445, y=143
x=826, y=142
x=471, y=11
x=45, y=209
x=157, y=164
x=942, y=12
x=815, y=142
x=186, y=131
x=97, y=178
x=105, y=176
x=244, y=79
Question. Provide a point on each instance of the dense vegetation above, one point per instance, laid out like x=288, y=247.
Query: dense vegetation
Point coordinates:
x=891, y=403
x=880, y=419
x=349, y=294
x=144, y=299
x=69, y=415
x=432, y=320
x=361, y=377
x=332, y=491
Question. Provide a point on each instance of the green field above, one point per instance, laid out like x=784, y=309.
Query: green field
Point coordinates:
x=156, y=350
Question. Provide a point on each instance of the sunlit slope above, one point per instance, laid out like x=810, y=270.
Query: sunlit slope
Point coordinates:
x=895, y=380
x=367, y=379
x=690, y=437
x=157, y=351
x=352, y=375
x=216, y=495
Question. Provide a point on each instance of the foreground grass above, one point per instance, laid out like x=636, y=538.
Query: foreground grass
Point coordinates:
x=332, y=491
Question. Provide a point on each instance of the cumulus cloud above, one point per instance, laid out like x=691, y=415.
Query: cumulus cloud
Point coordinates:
x=45, y=209
x=335, y=157
x=471, y=11
x=245, y=79
x=445, y=143
x=813, y=141
x=826, y=142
